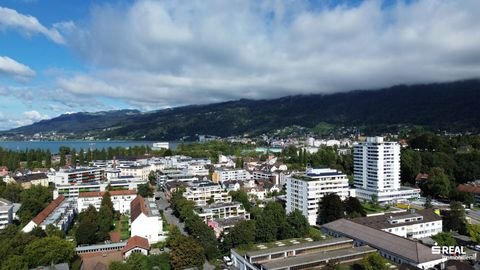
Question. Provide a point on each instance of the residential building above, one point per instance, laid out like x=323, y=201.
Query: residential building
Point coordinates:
x=27, y=180
x=196, y=169
x=376, y=171
x=393, y=247
x=145, y=220
x=74, y=190
x=205, y=192
x=6, y=213
x=221, y=210
x=139, y=171
x=76, y=176
x=224, y=225
x=410, y=224
x=222, y=174
x=121, y=200
x=59, y=213
x=295, y=254
x=305, y=191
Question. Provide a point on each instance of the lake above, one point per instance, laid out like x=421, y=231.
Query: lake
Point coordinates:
x=53, y=146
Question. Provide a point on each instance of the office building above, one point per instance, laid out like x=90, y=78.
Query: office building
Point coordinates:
x=393, y=247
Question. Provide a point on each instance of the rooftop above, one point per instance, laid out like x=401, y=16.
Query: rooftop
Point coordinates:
x=136, y=241
x=112, y=193
x=140, y=205
x=48, y=210
x=30, y=177
x=410, y=250
x=316, y=257
x=287, y=244
x=5, y=205
x=384, y=221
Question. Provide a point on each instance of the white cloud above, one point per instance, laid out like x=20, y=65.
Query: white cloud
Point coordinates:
x=167, y=54
x=27, y=24
x=18, y=71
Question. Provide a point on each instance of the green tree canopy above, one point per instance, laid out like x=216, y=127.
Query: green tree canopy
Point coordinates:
x=354, y=208
x=186, y=253
x=444, y=239
x=375, y=261
x=49, y=250
x=331, y=208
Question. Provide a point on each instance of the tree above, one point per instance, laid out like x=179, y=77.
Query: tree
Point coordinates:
x=299, y=223
x=51, y=230
x=428, y=202
x=374, y=200
x=454, y=220
x=86, y=232
x=38, y=232
x=48, y=159
x=14, y=262
x=152, y=178
x=444, y=239
x=186, y=253
x=242, y=197
x=49, y=250
x=354, y=208
x=375, y=261
x=474, y=232
x=438, y=184
x=145, y=190
x=137, y=261
x=242, y=234
x=331, y=208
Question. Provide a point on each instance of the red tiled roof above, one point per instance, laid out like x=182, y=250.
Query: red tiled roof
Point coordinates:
x=136, y=241
x=48, y=210
x=137, y=206
x=469, y=188
x=112, y=193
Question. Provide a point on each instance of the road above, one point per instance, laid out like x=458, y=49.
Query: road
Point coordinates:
x=474, y=215
x=163, y=204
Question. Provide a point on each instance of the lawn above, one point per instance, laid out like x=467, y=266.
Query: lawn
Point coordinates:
x=372, y=209
x=125, y=232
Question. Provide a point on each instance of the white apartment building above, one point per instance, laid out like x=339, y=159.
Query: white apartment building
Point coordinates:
x=121, y=200
x=196, y=169
x=74, y=190
x=376, y=171
x=145, y=220
x=59, y=213
x=221, y=175
x=304, y=192
x=139, y=171
x=79, y=175
x=6, y=213
x=222, y=210
x=412, y=224
x=203, y=192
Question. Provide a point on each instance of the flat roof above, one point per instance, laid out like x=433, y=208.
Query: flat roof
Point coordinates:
x=382, y=221
x=394, y=244
x=303, y=245
x=93, y=247
x=316, y=257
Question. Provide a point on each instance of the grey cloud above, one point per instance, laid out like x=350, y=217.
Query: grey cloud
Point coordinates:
x=170, y=53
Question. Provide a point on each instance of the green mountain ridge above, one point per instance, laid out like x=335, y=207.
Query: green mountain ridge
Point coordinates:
x=450, y=106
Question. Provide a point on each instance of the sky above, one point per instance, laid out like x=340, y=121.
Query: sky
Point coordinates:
x=60, y=56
